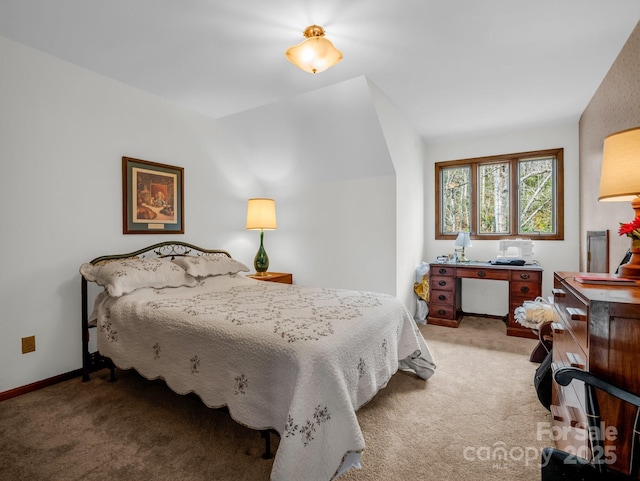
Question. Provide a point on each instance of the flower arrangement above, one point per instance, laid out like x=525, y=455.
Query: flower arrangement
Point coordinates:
x=631, y=229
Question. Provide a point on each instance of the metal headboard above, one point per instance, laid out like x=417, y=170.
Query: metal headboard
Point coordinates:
x=164, y=249
x=92, y=361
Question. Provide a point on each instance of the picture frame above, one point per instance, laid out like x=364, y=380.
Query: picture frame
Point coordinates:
x=152, y=197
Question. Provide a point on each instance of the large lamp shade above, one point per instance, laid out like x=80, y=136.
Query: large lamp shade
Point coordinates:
x=261, y=214
x=620, y=181
x=620, y=174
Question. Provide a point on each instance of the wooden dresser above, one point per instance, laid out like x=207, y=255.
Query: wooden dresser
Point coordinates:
x=597, y=329
x=445, y=290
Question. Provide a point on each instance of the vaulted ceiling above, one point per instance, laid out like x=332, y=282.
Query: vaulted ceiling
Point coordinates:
x=452, y=68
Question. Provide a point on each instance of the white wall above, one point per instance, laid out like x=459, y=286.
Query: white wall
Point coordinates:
x=323, y=158
x=63, y=132
x=407, y=153
x=614, y=107
x=337, y=234
x=552, y=255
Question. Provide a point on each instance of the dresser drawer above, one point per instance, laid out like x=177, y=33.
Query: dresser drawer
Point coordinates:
x=568, y=407
x=574, y=314
x=569, y=421
x=567, y=352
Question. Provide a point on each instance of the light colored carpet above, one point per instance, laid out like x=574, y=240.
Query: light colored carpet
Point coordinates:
x=476, y=418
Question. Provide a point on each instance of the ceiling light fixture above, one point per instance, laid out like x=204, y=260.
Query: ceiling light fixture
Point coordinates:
x=316, y=53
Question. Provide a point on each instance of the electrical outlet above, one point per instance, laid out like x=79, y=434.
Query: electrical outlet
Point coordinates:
x=28, y=344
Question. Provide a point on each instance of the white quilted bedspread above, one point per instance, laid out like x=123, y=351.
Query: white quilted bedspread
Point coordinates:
x=294, y=359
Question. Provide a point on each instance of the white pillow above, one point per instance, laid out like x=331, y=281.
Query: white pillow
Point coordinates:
x=205, y=266
x=126, y=275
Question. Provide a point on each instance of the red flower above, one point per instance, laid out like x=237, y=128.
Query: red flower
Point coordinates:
x=632, y=229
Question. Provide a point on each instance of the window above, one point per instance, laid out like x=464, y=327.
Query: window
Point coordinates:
x=513, y=195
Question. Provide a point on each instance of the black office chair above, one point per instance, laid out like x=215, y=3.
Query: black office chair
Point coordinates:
x=557, y=465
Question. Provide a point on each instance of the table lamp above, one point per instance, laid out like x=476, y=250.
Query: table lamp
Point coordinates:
x=620, y=181
x=261, y=215
x=463, y=240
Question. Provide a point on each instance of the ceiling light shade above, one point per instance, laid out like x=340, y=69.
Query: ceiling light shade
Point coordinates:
x=316, y=53
x=620, y=175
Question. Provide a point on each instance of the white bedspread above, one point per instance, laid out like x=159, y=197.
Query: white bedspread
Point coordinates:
x=284, y=357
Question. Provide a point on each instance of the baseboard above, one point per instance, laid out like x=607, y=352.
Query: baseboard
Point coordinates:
x=39, y=384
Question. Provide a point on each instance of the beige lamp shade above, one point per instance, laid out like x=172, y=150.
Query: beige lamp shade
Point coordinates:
x=316, y=53
x=620, y=175
x=261, y=214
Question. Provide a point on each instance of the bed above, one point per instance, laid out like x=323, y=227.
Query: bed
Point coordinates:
x=297, y=361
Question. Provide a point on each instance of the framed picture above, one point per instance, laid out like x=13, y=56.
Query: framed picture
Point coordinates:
x=152, y=197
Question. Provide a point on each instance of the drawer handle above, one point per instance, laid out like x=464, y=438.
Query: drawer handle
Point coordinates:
x=442, y=297
x=557, y=328
x=566, y=414
x=576, y=314
x=442, y=283
x=524, y=289
x=482, y=273
x=442, y=271
x=558, y=293
x=524, y=275
x=558, y=413
x=441, y=312
x=575, y=360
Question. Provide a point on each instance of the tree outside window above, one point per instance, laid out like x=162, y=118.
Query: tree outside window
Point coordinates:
x=513, y=195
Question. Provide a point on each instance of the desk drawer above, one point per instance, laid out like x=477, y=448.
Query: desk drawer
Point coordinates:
x=526, y=276
x=525, y=290
x=442, y=270
x=480, y=273
x=442, y=297
x=442, y=311
x=442, y=283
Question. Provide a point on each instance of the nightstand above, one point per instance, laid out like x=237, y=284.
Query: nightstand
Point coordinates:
x=281, y=277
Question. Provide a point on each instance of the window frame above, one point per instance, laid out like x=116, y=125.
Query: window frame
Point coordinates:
x=513, y=160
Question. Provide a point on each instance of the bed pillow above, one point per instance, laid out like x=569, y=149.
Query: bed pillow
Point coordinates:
x=205, y=266
x=126, y=275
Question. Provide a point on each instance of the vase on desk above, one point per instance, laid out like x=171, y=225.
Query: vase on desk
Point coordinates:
x=632, y=268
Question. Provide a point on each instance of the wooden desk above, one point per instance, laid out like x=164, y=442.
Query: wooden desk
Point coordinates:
x=445, y=291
